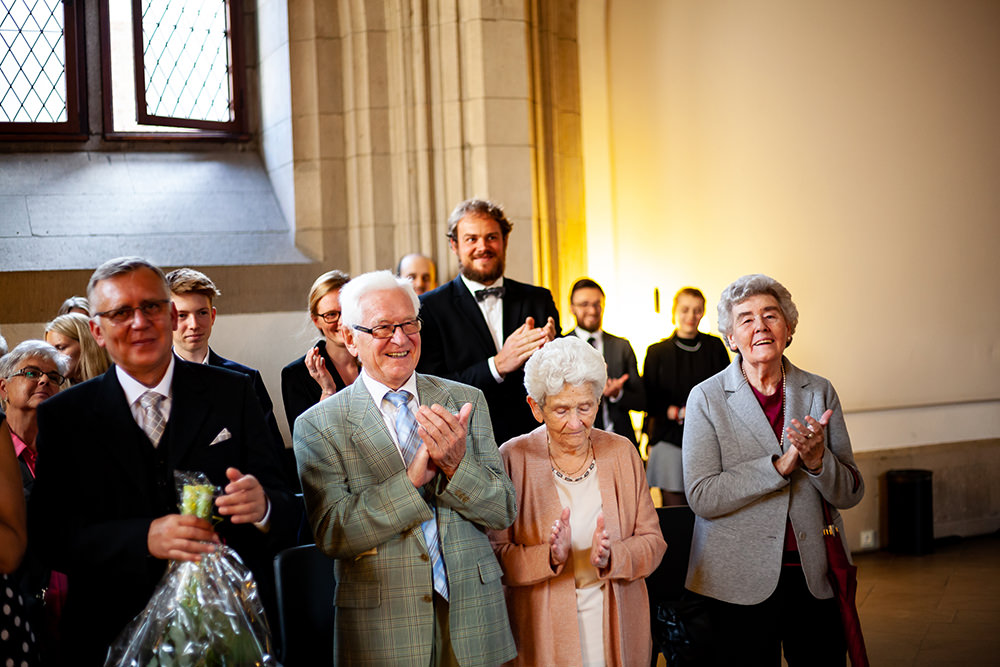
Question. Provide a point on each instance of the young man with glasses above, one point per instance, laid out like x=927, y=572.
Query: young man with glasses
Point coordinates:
x=104, y=506
x=401, y=478
x=624, y=390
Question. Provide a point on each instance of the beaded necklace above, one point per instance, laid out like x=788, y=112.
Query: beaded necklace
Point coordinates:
x=558, y=472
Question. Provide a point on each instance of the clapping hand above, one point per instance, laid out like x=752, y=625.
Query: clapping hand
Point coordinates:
x=600, y=549
x=444, y=435
x=316, y=366
x=521, y=344
x=560, y=541
x=810, y=440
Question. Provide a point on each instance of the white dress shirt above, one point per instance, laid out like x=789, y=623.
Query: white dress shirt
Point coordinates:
x=492, y=309
x=134, y=389
x=388, y=410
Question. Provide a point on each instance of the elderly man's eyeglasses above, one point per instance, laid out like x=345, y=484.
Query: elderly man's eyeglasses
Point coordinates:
x=330, y=316
x=35, y=375
x=125, y=314
x=409, y=328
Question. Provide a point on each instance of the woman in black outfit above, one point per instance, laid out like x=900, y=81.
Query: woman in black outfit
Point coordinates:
x=672, y=368
x=327, y=367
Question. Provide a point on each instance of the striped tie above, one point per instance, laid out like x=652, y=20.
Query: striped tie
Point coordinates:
x=152, y=419
x=409, y=443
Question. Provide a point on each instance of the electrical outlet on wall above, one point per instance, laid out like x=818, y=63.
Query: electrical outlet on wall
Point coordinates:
x=867, y=539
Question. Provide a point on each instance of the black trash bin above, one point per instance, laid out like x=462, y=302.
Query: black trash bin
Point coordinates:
x=911, y=511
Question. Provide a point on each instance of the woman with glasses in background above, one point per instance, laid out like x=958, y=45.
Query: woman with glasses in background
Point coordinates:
x=327, y=367
x=29, y=374
x=70, y=334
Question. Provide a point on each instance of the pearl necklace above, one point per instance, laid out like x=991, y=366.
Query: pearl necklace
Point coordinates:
x=781, y=439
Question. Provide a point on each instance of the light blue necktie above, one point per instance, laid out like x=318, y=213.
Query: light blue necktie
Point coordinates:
x=409, y=443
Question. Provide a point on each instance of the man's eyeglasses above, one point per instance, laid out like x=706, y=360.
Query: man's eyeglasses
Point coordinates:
x=585, y=305
x=330, y=316
x=35, y=375
x=125, y=314
x=409, y=328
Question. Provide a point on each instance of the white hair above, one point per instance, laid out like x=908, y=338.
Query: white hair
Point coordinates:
x=751, y=285
x=30, y=349
x=356, y=289
x=561, y=362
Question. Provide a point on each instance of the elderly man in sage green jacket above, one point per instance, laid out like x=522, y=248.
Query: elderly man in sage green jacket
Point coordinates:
x=402, y=478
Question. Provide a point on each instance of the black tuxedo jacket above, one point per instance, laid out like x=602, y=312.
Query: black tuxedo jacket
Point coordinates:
x=456, y=344
x=100, y=484
x=620, y=358
x=286, y=455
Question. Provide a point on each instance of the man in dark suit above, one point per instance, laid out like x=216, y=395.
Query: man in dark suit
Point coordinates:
x=104, y=506
x=193, y=294
x=624, y=390
x=480, y=328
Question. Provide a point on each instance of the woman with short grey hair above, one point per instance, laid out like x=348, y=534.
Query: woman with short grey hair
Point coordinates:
x=765, y=448
x=29, y=374
x=563, y=364
x=586, y=533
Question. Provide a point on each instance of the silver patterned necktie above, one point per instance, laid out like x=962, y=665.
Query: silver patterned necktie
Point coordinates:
x=153, y=422
x=409, y=443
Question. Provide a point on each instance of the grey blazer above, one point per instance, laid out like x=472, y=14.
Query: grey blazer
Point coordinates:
x=741, y=501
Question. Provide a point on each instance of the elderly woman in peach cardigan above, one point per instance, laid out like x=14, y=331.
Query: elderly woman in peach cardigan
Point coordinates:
x=586, y=534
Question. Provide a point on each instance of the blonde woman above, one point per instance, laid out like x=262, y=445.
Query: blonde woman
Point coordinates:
x=70, y=334
x=327, y=367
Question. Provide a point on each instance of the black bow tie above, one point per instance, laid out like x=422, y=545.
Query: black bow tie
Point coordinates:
x=481, y=294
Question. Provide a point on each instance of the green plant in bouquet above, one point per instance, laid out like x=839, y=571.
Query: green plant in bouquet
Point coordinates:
x=205, y=624
x=204, y=634
x=197, y=499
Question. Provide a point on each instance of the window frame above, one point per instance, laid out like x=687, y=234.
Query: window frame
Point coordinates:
x=74, y=128
x=207, y=130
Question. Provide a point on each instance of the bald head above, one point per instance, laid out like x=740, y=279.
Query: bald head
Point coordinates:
x=420, y=270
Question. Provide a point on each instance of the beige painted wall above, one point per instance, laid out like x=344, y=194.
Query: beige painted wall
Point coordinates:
x=848, y=149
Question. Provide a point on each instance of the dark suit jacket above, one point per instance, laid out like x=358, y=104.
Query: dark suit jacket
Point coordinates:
x=100, y=485
x=286, y=456
x=620, y=358
x=456, y=344
x=258, y=388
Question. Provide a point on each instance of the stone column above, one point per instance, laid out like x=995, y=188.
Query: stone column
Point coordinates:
x=403, y=108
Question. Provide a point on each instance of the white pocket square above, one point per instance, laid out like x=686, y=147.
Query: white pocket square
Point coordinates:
x=224, y=435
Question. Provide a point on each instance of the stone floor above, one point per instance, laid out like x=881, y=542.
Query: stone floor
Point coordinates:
x=937, y=609
x=941, y=608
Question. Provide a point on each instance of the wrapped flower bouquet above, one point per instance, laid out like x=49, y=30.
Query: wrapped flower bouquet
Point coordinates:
x=202, y=614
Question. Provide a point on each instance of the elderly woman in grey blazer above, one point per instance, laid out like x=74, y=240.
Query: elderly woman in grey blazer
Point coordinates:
x=765, y=444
